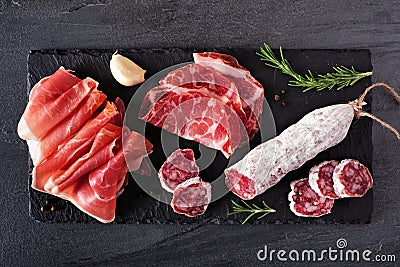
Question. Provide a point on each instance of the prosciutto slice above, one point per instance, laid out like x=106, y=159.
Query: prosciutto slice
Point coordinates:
x=41, y=114
x=49, y=143
x=135, y=149
x=82, y=195
x=73, y=149
x=105, y=179
x=51, y=87
x=196, y=116
x=100, y=152
x=250, y=90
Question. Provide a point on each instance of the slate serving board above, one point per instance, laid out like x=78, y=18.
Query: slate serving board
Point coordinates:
x=134, y=206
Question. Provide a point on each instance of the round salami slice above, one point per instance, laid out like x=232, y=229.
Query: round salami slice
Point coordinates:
x=320, y=179
x=178, y=167
x=305, y=202
x=351, y=179
x=191, y=197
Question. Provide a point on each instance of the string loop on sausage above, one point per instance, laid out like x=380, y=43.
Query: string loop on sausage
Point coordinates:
x=357, y=105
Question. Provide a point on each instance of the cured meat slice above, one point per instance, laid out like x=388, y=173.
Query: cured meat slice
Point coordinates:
x=51, y=87
x=106, y=180
x=100, y=152
x=191, y=197
x=250, y=90
x=163, y=92
x=135, y=148
x=177, y=168
x=40, y=115
x=66, y=128
x=269, y=162
x=118, y=119
x=197, y=117
x=351, y=179
x=196, y=76
x=84, y=198
x=73, y=149
x=305, y=202
x=320, y=179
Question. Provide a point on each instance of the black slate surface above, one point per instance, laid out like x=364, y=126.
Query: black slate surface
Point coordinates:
x=135, y=206
x=314, y=24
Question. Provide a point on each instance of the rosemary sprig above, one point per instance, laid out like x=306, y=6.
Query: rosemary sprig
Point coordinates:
x=253, y=209
x=340, y=78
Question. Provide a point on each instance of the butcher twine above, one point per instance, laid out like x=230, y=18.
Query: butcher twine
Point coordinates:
x=357, y=105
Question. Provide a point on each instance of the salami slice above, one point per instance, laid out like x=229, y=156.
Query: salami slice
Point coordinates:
x=305, y=202
x=351, y=179
x=191, y=197
x=178, y=167
x=320, y=179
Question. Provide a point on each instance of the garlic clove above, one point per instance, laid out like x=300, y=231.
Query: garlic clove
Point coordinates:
x=125, y=71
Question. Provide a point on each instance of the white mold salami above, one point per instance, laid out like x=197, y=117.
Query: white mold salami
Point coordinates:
x=351, y=179
x=191, y=197
x=320, y=179
x=268, y=163
x=305, y=202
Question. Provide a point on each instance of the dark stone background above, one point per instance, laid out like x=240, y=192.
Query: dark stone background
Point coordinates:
x=26, y=25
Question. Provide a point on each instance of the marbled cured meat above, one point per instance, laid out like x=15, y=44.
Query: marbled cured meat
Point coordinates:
x=250, y=90
x=320, y=179
x=351, y=179
x=269, y=162
x=305, y=202
x=177, y=168
x=196, y=116
x=191, y=197
x=40, y=115
x=196, y=76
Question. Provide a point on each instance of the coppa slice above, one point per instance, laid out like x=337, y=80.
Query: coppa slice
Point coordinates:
x=305, y=202
x=351, y=179
x=320, y=179
x=177, y=168
x=196, y=116
x=196, y=76
x=250, y=90
x=191, y=197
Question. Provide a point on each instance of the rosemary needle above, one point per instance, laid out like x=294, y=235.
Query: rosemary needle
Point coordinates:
x=253, y=209
x=340, y=78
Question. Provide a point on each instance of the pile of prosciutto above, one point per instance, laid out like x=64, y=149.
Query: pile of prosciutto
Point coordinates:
x=214, y=101
x=75, y=140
